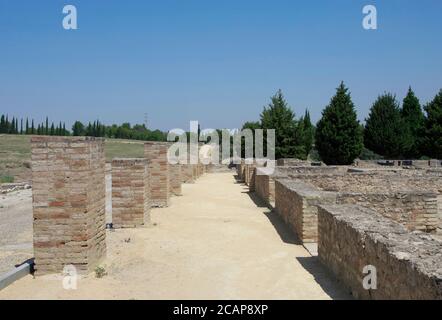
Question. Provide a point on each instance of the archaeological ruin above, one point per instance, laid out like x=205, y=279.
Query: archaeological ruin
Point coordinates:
x=385, y=216
x=370, y=214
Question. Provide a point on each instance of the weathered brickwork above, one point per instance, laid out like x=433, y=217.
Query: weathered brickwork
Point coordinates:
x=297, y=203
x=130, y=193
x=398, y=163
x=408, y=197
x=68, y=186
x=175, y=179
x=408, y=264
x=187, y=173
x=292, y=162
x=156, y=154
x=265, y=178
x=414, y=210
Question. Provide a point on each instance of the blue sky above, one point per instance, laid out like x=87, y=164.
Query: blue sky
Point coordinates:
x=213, y=61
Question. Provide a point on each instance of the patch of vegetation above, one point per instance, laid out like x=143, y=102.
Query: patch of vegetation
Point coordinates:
x=6, y=179
x=100, y=272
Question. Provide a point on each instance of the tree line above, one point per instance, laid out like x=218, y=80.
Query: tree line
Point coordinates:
x=92, y=129
x=13, y=126
x=390, y=131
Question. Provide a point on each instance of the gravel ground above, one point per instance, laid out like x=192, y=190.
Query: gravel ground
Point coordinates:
x=15, y=229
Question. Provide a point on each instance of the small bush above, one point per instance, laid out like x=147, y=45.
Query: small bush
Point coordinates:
x=100, y=272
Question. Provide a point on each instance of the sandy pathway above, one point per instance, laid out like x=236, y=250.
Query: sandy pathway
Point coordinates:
x=214, y=242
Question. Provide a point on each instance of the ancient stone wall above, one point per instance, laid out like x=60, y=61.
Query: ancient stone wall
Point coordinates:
x=297, y=203
x=265, y=177
x=130, y=193
x=68, y=186
x=408, y=265
x=292, y=162
x=156, y=154
x=374, y=181
x=398, y=163
x=414, y=210
x=187, y=173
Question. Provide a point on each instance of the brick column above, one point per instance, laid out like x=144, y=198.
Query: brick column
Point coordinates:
x=156, y=154
x=130, y=193
x=68, y=187
x=175, y=179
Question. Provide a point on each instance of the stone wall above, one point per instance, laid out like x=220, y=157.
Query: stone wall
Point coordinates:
x=408, y=265
x=68, y=186
x=398, y=163
x=292, y=162
x=409, y=197
x=265, y=178
x=156, y=154
x=374, y=181
x=414, y=210
x=297, y=203
x=175, y=176
x=130, y=193
x=187, y=173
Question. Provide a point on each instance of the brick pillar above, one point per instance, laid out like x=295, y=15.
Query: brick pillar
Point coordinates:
x=156, y=154
x=175, y=179
x=68, y=189
x=130, y=193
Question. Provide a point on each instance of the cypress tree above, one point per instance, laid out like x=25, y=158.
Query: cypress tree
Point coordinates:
x=279, y=116
x=413, y=118
x=21, y=126
x=2, y=124
x=32, y=127
x=47, y=126
x=338, y=134
x=27, y=126
x=433, y=127
x=385, y=132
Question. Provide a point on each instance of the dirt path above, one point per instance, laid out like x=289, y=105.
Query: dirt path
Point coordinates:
x=214, y=242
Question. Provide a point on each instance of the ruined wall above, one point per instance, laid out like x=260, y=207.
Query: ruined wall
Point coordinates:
x=156, y=154
x=187, y=173
x=374, y=181
x=130, y=193
x=265, y=186
x=292, y=162
x=68, y=187
x=297, y=203
x=414, y=210
x=398, y=163
x=408, y=265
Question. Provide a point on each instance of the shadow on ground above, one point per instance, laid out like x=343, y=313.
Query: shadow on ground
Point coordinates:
x=324, y=278
x=284, y=232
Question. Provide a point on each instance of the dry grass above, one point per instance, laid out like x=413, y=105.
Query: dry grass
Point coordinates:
x=15, y=155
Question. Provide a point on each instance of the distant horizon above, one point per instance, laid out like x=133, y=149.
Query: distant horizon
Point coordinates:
x=218, y=63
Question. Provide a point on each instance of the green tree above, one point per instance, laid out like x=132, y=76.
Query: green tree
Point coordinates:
x=385, y=132
x=338, y=135
x=413, y=118
x=279, y=116
x=433, y=127
x=2, y=124
x=306, y=132
x=78, y=129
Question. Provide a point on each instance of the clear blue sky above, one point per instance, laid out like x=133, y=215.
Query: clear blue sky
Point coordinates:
x=213, y=61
